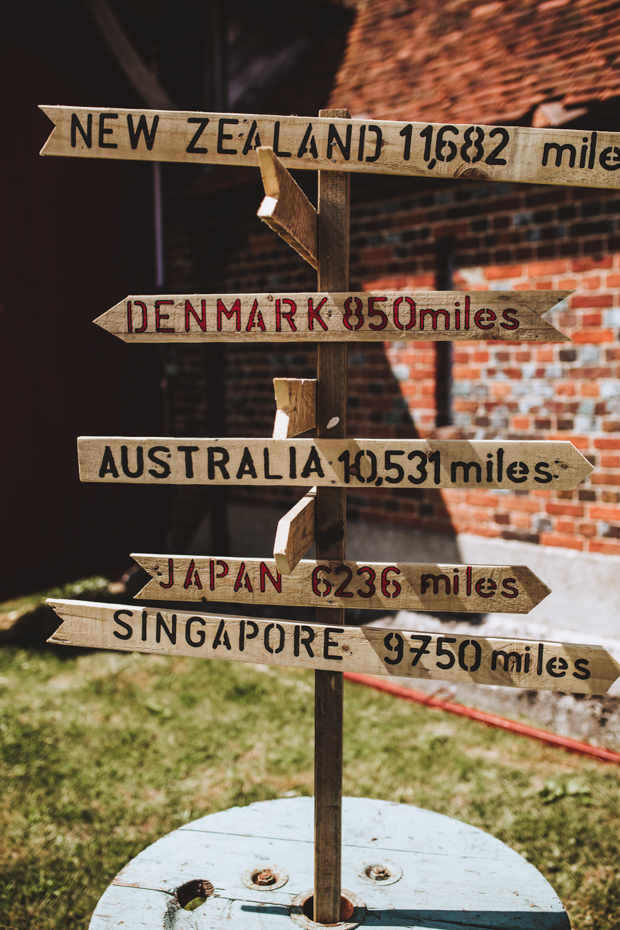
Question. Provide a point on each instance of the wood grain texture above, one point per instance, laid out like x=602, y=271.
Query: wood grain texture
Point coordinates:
x=336, y=316
x=486, y=153
x=483, y=883
x=296, y=406
x=286, y=209
x=295, y=534
x=333, y=463
x=334, y=204
x=429, y=586
x=515, y=663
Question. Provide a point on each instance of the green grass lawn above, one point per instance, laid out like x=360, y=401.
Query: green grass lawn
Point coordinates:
x=102, y=753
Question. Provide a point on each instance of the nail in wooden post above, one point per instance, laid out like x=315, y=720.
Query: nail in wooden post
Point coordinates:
x=330, y=508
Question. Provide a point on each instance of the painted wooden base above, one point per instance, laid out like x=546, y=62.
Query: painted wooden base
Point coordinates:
x=439, y=873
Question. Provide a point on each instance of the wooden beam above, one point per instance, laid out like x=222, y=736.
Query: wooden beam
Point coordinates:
x=333, y=463
x=332, y=583
x=330, y=511
x=514, y=663
x=286, y=209
x=296, y=406
x=357, y=316
x=295, y=534
x=430, y=150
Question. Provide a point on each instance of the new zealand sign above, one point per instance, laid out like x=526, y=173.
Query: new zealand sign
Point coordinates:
x=544, y=666
x=292, y=317
x=497, y=153
x=399, y=463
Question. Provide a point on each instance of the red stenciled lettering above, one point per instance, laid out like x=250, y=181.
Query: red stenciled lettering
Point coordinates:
x=485, y=318
x=159, y=316
x=353, y=307
x=143, y=325
x=485, y=587
x=235, y=311
x=411, y=302
x=265, y=573
x=387, y=582
x=510, y=590
x=255, y=319
x=372, y=311
x=170, y=581
x=192, y=570
x=434, y=314
x=241, y=580
x=286, y=315
x=201, y=320
x=316, y=581
x=511, y=322
x=314, y=313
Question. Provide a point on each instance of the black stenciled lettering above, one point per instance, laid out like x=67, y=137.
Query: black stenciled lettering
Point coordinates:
x=276, y=141
x=492, y=158
x=213, y=463
x=201, y=636
x=243, y=635
x=163, y=466
x=517, y=472
x=253, y=138
x=393, y=466
x=203, y=122
x=223, y=136
x=406, y=132
x=398, y=648
x=268, y=474
x=546, y=476
x=422, y=475
x=129, y=629
x=246, y=465
x=313, y=464
x=189, y=461
x=442, y=144
x=308, y=144
x=473, y=643
x=560, y=663
x=144, y=631
x=221, y=637
x=106, y=130
x=559, y=153
x=378, y=143
x=142, y=129
x=441, y=651
x=467, y=467
x=609, y=159
x=422, y=650
x=76, y=126
x=333, y=138
x=329, y=642
x=139, y=469
x=171, y=632
x=512, y=660
x=582, y=667
x=298, y=641
x=267, y=638
x=108, y=465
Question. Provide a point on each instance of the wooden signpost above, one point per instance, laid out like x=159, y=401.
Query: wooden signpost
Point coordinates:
x=333, y=463
x=371, y=651
x=375, y=585
x=338, y=143
x=336, y=316
x=330, y=463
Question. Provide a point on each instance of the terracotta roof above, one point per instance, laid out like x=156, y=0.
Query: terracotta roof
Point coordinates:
x=466, y=61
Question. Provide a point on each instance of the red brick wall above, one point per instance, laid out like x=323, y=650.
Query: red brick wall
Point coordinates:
x=506, y=237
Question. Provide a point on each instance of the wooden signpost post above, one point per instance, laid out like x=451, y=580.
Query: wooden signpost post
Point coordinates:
x=330, y=462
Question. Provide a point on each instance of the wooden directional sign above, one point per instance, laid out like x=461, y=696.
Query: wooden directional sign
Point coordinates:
x=395, y=463
x=295, y=533
x=371, y=651
x=295, y=406
x=494, y=153
x=322, y=583
x=286, y=209
x=513, y=316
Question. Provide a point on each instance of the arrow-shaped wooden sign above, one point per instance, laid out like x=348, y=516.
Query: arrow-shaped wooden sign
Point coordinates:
x=514, y=316
x=396, y=463
x=372, y=585
x=370, y=651
x=492, y=153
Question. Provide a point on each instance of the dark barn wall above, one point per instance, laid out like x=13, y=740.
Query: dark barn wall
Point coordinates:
x=76, y=236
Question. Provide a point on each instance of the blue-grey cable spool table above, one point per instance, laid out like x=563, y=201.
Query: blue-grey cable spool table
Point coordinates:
x=402, y=867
